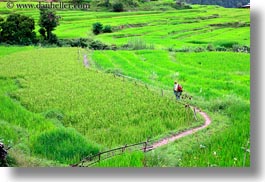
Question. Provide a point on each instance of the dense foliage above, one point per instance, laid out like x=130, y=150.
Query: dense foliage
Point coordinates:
x=48, y=21
x=224, y=3
x=17, y=29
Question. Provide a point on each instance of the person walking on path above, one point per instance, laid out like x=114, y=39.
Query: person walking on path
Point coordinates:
x=177, y=90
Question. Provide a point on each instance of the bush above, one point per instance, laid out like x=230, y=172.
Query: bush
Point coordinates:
x=228, y=44
x=171, y=49
x=238, y=48
x=107, y=29
x=118, y=7
x=220, y=48
x=81, y=42
x=181, y=5
x=184, y=49
x=97, y=28
x=210, y=47
x=97, y=45
x=199, y=49
x=105, y=3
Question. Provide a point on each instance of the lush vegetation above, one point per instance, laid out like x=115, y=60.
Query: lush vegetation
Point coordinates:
x=54, y=111
x=222, y=88
x=17, y=29
x=177, y=30
x=112, y=113
x=225, y=3
x=135, y=159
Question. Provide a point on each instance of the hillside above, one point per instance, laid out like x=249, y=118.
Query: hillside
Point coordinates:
x=224, y=3
x=54, y=111
x=61, y=93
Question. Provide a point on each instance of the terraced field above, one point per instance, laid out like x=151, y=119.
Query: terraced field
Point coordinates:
x=195, y=27
x=105, y=110
x=218, y=82
x=53, y=111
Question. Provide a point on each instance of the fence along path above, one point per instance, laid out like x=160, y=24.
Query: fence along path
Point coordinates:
x=147, y=145
x=93, y=159
x=142, y=146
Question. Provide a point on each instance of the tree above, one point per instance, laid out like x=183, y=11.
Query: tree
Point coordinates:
x=18, y=29
x=97, y=28
x=118, y=7
x=225, y=3
x=107, y=29
x=48, y=22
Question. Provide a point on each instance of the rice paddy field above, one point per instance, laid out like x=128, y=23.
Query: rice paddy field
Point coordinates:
x=54, y=111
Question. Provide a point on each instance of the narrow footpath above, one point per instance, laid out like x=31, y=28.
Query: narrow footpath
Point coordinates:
x=184, y=133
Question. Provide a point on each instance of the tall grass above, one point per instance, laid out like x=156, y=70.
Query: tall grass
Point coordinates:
x=219, y=84
x=62, y=144
x=135, y=159
x=26, y=133
x=55, y=85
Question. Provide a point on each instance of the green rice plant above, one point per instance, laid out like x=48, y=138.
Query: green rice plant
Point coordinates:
x=62, y=144
x=138, y=43
x=112, y=113
x=45, y=91
x=126, y=159
x=219, y=83
x=160, y=28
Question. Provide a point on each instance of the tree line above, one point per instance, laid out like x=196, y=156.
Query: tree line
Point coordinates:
x=19, y=29
x=224, y=3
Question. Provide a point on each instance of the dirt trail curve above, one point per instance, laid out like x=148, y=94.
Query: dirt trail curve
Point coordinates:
x=165, y=141
x=184, y=133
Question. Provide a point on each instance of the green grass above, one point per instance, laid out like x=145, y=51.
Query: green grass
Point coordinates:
x=61, y=91
x=127, y=159
x=13, y=49
x=51, y=95
x=219, y=83
x=227, y=73
x=24, y=131
x=163, y=29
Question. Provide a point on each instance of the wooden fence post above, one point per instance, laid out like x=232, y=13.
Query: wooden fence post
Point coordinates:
x=194, y=112
x=145, y=146
x=162, y=92
x=124, y=148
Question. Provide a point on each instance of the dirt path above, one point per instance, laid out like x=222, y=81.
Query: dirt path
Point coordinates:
x=163, y=141
x=184, y=133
